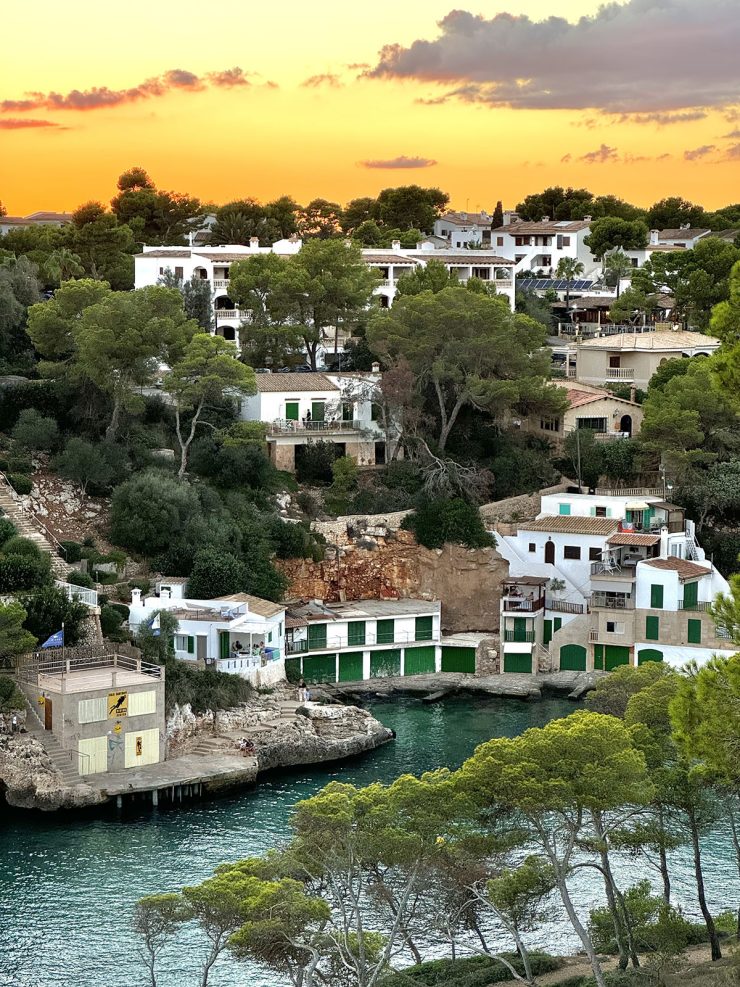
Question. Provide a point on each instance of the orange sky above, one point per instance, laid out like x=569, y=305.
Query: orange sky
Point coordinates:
x=276, y=135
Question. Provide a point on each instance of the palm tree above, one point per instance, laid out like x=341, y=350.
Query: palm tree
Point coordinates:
x=62, y=264
x=569, y=269
x=617, y=265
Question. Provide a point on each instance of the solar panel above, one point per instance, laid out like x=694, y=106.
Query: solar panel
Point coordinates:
x=557, y=284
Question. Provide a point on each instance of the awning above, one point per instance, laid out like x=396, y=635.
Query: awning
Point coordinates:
x=637, y=505
x=633, y=538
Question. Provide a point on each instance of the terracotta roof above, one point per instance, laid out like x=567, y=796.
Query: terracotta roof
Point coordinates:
x=476, y=258
x=269, y=383
x=632, y=538
x=572, y=524
x=15, y=221
x=579, y=394
x=372, y=258
x=553, y=226
x=224, y=256
x=684, y=568
x=668, y=340
x=166, y=252
x=691, y=233
x=263, y=608
x=50, y=216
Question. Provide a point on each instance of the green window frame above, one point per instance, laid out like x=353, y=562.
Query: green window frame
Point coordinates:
x=652, y=628
x=694, y=631
x=316, y=637
x=424, y=629
x=557, y=623
x=347, y=411
x=385, y=631
x=292, y=411
x=318, y=411
x=656, y=596
x=224, y=642
x=690, y=595
x=355, y=633
x=599, y=657
x=563, y=508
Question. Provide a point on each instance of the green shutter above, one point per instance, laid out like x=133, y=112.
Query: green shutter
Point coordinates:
x=347, y=412
x=320, y=668
x=291, y=411
x=385, y=663
x=458, y=659
x=191, y=645
x=316, y=637
x=317, y=411
x=573, y=658
x=564, y=509
x=355, y=633
x=616, y=655
x=350, y=666
x=520, y=629
x=424, y=629
x=547, y=632
x=694, y=632
x=385, y=632
x=557, y=624
x=599, y=657
x=649, y=654
x=652, y=629
x=656, y=596
x=690, y=596
x=224, y=644
x=516, y=662
x=419, y=661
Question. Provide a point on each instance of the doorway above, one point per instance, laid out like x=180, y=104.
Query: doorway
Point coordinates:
x=625, y=424
x=550, y=552
x=48, y=713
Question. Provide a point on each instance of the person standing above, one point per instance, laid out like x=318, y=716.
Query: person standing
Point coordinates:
x=302, y=690
x=14, y=724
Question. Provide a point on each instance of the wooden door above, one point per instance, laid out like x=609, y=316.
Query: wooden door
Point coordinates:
x=47, y=713
x=550, y=552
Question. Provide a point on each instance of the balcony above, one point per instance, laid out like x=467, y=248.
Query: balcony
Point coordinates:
x=343, y=644
x=519, y=604
x=610, y=570
x=702, y=606
x=285, y=427
x=593, y=635
x=220, y=283
x=227, y=313
x=562, y=606
x=610, y=436
x=620, y=373
x=607, y=601
x=519, y=637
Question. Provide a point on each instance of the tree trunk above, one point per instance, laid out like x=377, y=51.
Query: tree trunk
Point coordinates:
x=115, y=421
x=736, y=844
x=580, y=930
x=185, y=445
x=708, y=920
x=609, y=888
x=664, y=860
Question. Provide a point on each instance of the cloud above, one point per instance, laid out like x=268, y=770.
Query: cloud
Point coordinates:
x=733, y=135
x=101, y=97
x=732, y=153
x=323, y=79
x=566, y=158
x=642, y=56
x=400, y=162
x=25, y=123
x=696, y=153
x=663, y=119
x=601, y=155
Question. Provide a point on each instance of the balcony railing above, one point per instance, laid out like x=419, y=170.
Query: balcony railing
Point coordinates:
x=593, y=635
x=519, y=637
x=620, y=373
x=286, y=427
x=521, y=603
x=594, y=329
x=302, y=647
x=562, y=606
x=604, y=570
x=227, y=313
x=608, y=436
x=221, y=282
x=607, y=602
x=704, y=606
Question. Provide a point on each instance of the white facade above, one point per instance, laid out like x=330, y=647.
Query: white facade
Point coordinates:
x=540, y=246
x=464, y=229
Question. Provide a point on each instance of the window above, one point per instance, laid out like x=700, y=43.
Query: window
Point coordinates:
x=594, y=555
x=595, y=424
x=571, y=552
x=499, y=241
x=652, y=628
x=161, y=270
x=424, y=628
x=615, y=361
x=601, y=512
x=280, y=629
x=614, y=627
x=532, y=547
x=566, y=241
x=550, y=424
x=694, y=632
x=317, y=411
x=141, y=703
x=385, y=631
x=563, y=508
x=316, y=636
x=356, y=632
x=92, y=710
x=178, y=273
x=374, y=412
x=347, y=411
x=269, y=637
x=184, y=642
x=546, y=260
x=656, y=596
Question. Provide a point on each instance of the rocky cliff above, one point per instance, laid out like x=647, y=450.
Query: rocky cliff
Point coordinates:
x=29, y=780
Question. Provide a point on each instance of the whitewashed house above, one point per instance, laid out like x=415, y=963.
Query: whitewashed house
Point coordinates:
x=597, y=581
x=633, y=358
x=239, y=634
x=465, y=229
x=540, y=246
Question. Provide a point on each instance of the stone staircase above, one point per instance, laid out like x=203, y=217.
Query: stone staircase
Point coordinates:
x=30, y=525
x=63, y=761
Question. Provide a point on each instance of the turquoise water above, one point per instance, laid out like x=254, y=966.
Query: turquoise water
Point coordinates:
x=67, y=885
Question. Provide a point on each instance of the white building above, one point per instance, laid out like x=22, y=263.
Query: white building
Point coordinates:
x=633, y=358
x=632, y=585
x=540, y=246
x=300, y=408
x=40, y=218
x=465, y=229
x=239, y=634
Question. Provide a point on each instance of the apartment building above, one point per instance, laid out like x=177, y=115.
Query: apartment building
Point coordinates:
x=633, y=358
x=540, y=246
x=598, y=581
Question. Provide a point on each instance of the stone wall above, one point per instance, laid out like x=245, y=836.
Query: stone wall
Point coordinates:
x=525, y=507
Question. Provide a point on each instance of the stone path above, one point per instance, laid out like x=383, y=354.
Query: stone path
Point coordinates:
x=64, y=761
x=191, y=769
x=32, y=527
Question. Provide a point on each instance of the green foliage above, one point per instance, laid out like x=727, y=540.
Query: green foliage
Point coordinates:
x=610, y=233
x=23, y=572
x=582, y=457
x=410, y=207
x=436, y=522
x=612, y=693
x=34, y=431
x=216, y=574
x=80, y=579
x=110, y=621
x=203, y=689
x=295, y=541
x=92, y=466
x=19, y=289
x=18, y=545
x=11, y=697
x=433, y=277
x=314, y=462
x=148, y=509
x=48, y=608
x=529, y=303
x=7, y=530
x=674, y=212
x=655, y=926
x=338, y=497
x=14, y=638
x=21, y=484
x=474, y=971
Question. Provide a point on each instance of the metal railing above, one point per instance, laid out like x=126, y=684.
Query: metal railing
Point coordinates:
x=289, y=427
x=342, y=643
x=607, y=602
x=703, y=606
x=519, y=637
x=63, y=661
x=596, y=329
x=620, y=373
x=87, y=596
x=562, y=606
x=630, y=492
x=517, y=603
x=619, y=572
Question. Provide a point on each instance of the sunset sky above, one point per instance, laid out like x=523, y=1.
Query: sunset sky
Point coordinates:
x=338, y=99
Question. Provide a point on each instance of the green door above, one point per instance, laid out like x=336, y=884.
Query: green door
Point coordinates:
x=573, y=658
x=656, y=596
x=224, y=644
x=418, y=661
x=320, y=668
x=694, y=632
x=424, y=628
x=385, y=632
x=350, y=666
x=652, y=628
x=547, y=632
x=599, y=657
x=316, y=637
x=291, y=411
x=557, y=624
x=458, y=659
x=355, y=633
x=649, y=654
x=616, y=656
x=385, y=663
x=317, y=411
x=516, y=662
x=690, y=596
x=520, y=629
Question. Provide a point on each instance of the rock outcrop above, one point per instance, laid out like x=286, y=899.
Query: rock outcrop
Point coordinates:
x=29, y=780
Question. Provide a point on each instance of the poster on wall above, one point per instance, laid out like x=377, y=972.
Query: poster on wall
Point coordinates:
x=117, y=704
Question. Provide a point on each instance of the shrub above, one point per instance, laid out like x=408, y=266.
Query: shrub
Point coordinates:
x=148, y=509
x=72, y=551
x=308, y=503
x=105, y=578
x=48, y=608
x=403, y=474
x=294, y=541
x=216, y=574
x=97, y=466
x=203, y=689
x=110, y=620
x=313, y=462
x=11, y=697
x=22, y=546
x=474, y=971
x=23, y=572
x=7, y=530
x=20, y=464
x=344, y=482
x=21, y=484
x=436, y=521
x=80, y=579
x=34, y=431
x=143, y=584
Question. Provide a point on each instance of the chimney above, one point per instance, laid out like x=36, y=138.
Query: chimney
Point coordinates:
x=654, y=237
x=664, y=543
x=164, y=594
x=587, y=219
x=633, y=393
x=396, y=244
x=135, y=597
x=254, y=242
x=545, y=219
x=375, y=368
